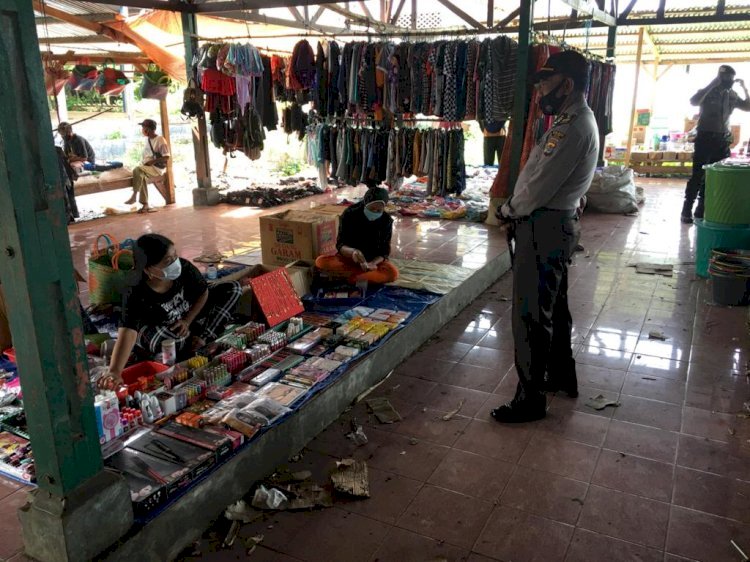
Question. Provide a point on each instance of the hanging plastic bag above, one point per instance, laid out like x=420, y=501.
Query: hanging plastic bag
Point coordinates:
x=83, y=78
x=155, y=84
x=111, y=81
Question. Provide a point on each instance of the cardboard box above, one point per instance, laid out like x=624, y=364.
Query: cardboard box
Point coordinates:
x=669, y=156
x=655, y=155
x=639, y=135
x=685, y=156
x=639, y=156
x=336, y=210
x=297, y=235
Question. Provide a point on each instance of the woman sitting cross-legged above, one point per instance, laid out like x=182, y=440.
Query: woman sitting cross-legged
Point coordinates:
x=364, y=242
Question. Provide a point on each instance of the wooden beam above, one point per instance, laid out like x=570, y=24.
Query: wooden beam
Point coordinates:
x=414, y=14
x=75, y=40
x=463, y=15
x=586, y=7
x=720, y=8
x=397, y=15
x=629, y=148
x=622, y=16
x=170, y=5
x=49, y=20
x=509, y=18
x=317, y=14
x=295, y=13
x=651, y=43
x=363, y=20
x=365, y=9
x=490, y=13
x=96, y=27
x=268, y=20
x=99, y=58
x=169, y=196
x=238, y=5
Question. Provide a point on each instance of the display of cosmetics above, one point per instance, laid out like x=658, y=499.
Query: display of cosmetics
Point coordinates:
x=314, y=319
x=175, y=376
x=197, y=362
x=218, y=375
x=344, y=353
x=258, y=352
x=392, y=316
x=363, y=332
x=312, y=371
x=294, y=327
x=237, y=341
x=190, y=392
x=130, y=418
x=16, y=457
x=276, y=340
x=251, y=330
x=308, y=341
x=234, y=360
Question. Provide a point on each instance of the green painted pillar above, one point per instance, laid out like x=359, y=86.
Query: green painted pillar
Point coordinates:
x=36, y=267
x=520, y=101
x=79, y=509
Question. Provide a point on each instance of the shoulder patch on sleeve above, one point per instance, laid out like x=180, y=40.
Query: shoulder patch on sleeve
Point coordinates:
x=550, y=146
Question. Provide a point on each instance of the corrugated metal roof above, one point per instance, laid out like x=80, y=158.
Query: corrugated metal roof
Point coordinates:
x=715, y=39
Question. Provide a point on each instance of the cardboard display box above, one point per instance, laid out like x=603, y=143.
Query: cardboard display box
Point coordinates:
x=297, y=235
x=300, y=275
x=336, y=210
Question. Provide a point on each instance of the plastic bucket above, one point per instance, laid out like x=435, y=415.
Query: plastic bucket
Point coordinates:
x=712, y=235
x=727, y=194
x=730, y=290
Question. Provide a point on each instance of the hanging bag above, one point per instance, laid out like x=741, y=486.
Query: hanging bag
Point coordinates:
x=55, y=77
x=192, y=100
x=155, y=84
x=110, y=269
x=83, y=78
x=111, y=81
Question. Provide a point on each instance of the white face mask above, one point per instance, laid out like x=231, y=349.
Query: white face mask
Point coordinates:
x=173, y=270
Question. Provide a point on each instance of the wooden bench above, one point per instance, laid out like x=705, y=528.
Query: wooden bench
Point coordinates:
x=120, y=179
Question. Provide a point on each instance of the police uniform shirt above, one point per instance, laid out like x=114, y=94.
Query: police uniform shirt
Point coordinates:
x=560, y=167
x=716, y=108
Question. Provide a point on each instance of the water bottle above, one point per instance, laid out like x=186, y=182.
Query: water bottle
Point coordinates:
x=212, y=273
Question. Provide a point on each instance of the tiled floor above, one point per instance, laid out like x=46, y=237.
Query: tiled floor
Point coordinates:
x=664, y=477
x=230, y=229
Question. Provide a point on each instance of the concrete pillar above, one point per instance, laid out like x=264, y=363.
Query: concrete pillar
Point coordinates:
x=36, y=271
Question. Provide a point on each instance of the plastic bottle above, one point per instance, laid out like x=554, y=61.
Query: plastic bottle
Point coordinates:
x=212, y=273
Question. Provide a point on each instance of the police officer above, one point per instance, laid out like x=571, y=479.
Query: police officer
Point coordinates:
x=717, y=102
x=542, y=211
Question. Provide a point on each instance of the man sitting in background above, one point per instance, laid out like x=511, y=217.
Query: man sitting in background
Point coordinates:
x=77, y=149
x=153, y=164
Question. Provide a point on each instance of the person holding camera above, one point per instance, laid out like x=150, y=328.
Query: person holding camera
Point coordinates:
x=153, y=163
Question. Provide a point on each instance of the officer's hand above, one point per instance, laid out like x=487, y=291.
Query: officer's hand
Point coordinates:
x=503, y=214
x=741, y=82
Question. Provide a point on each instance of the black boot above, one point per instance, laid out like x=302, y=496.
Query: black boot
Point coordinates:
x=523, y=408
x=687, y=212
x=699, y=209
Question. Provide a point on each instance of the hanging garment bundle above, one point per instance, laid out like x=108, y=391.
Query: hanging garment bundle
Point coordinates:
x=455, y=80
x=357, y=154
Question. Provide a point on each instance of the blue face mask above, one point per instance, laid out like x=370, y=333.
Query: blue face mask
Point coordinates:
x=373, y=215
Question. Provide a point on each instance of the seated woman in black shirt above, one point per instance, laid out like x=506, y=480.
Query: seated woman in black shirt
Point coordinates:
x=364, y=242
x=171, y=301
